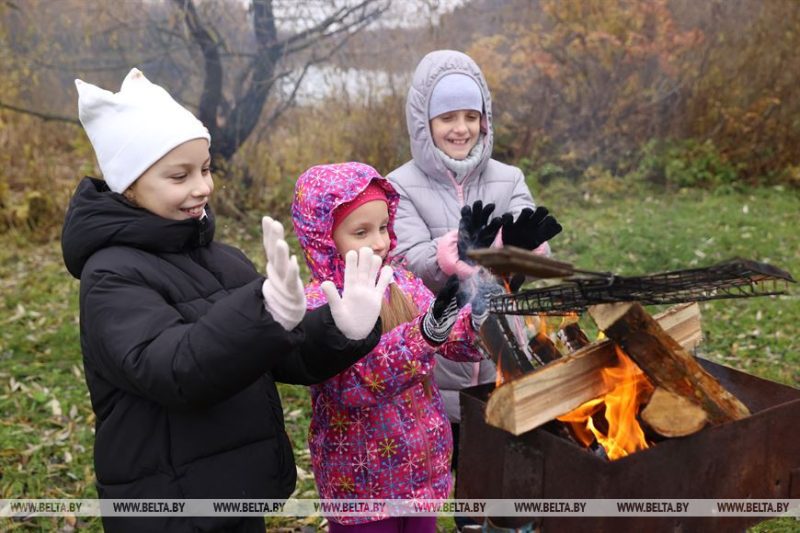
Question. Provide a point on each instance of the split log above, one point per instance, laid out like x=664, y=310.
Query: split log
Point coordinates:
x=671, y=415
x=573, y=337
x=509, y=259
x=509, y=366
x=683, y=323
x=543, y=348
x=551, y=391
x=665, y=362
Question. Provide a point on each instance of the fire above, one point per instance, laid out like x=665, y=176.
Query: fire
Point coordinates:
x=624, y=434
x=498, y=380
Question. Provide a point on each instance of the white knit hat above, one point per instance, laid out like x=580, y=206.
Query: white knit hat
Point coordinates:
x=132, y=129
x=453, y=93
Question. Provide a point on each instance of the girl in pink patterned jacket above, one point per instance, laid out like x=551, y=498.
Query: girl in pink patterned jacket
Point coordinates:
x=379, y=429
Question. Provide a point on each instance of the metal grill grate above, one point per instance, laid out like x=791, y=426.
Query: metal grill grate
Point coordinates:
x=737, y=278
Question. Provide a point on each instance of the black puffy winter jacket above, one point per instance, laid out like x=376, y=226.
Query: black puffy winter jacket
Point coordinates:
x=181, y=360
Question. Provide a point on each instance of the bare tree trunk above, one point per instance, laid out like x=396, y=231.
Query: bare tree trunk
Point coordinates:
x=211, y=97
x=231, y=123
x=244, y=115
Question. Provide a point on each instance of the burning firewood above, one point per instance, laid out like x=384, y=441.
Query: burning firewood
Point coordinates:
x=496, y=344
x=671, y=415
x=541, y=345
x=664, y=360
x=540, y=396
x=573, y=337
x=553, y=390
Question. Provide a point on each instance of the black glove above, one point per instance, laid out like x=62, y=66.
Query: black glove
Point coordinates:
x=473, y=229
x=531, y=228
x=440, y=318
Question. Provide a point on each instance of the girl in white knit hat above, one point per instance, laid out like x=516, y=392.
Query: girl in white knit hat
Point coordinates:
x=182, y=338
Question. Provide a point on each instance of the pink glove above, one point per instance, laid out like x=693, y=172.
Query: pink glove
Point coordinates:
x=542, y=249
x=447, y=257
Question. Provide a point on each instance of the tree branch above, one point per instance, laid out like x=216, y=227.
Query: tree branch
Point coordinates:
x=38, y=114
x=257, y=79
x=304, y=39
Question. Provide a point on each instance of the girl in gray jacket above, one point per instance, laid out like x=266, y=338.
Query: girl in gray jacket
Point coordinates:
x=449, y=117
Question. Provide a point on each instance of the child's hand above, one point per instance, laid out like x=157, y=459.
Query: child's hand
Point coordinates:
x=447, y=257
x=480, y=302
x=283, y=291
x=357, y=309
x=440, y=318
x=474, y=228
x=531, y=228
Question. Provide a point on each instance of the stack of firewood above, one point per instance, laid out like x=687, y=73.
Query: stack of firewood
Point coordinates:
x=683, y=398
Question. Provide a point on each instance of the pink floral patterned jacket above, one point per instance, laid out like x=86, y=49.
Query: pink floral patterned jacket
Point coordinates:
x=375, y=432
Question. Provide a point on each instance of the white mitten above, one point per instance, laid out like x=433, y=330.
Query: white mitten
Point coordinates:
x=283, y=291
x=357, y=309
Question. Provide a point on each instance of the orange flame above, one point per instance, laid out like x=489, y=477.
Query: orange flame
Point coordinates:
x=568, y=318
x=624, y=435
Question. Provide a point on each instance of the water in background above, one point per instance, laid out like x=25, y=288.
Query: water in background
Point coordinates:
x=359, y=85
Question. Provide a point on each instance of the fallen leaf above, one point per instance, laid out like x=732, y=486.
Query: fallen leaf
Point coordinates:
x=19, y=312
x=55, y=407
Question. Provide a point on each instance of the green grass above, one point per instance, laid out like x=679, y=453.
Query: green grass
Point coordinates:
x=46, y=430
x=643, y=234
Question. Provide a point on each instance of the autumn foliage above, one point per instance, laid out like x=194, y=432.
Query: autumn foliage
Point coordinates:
x=671, y=93
x=605, y=83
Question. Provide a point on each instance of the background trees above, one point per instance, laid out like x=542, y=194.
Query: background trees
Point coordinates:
x=648, y=126
x=601, y=92
x=226, y=58
x=629, y=85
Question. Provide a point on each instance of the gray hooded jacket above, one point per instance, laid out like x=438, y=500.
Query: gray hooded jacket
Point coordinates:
x=431, y=199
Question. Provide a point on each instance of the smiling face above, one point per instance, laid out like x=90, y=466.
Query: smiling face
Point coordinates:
x=367, y=225
x=456, y=132
x=178, y=185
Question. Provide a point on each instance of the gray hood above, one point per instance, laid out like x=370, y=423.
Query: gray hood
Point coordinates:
x=430, y=70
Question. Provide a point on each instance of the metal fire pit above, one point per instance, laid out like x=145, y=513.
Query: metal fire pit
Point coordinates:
x=756, y=457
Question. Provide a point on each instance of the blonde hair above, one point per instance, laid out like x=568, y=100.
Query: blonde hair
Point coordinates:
x=397, y=309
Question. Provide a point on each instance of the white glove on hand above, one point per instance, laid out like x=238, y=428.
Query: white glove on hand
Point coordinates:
x=283, y=292
x=357, y=309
